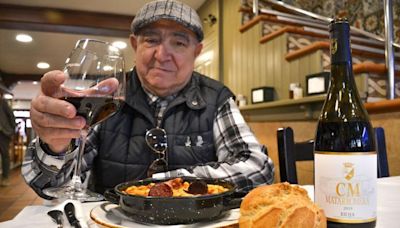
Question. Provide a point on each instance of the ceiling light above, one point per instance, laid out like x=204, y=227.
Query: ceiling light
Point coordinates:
x=23, y=38
x=119, y=44
x=43, y=65
x=8, y=96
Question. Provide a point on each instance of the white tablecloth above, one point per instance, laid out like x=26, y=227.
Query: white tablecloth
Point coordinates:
x=388, y=209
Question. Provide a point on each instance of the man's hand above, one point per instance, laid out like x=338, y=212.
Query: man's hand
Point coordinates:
x=55, y=120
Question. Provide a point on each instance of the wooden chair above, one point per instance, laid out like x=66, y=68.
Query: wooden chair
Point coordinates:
x=290, y=151
x=383, y=167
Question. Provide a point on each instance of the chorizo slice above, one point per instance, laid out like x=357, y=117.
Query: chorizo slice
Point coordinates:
x=161, y=189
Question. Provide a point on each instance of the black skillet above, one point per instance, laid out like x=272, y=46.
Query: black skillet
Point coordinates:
x=174, y=210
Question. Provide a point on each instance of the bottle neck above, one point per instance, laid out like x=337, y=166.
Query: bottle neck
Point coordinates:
x=343, y=102
x=342, y=75
x=341, y=61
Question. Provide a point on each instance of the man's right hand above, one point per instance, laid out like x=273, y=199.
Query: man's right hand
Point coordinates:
x=55, y=120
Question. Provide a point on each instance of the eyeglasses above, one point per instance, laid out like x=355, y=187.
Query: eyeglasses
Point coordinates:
x=156, y=139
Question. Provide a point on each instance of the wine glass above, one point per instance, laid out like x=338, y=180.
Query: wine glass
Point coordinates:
x=95, y=85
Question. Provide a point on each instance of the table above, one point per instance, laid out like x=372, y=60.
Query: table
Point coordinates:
x=388, y=209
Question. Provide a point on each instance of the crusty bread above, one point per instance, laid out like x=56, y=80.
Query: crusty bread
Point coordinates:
x=280, y=205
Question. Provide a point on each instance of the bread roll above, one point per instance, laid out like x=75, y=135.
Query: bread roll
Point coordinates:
x=280, y=205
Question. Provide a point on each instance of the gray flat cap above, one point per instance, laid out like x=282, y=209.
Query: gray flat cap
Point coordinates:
x=171, y=10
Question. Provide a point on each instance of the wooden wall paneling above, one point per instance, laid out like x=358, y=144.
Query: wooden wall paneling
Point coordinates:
x=304, y=66
x=241, y=65
x=248, y=55
x=301, y=67
x=391, y=123
x=294, y=72
x=256, y=65
x=238, y=61
x=213, y=66
x=303, y=70
x=233, y=69
x=246, y=59
x=318, y=60
x=210, y=7
x=208, y=61
x=251, y=79
x=296, y=66
x=266, y=134
x=255, y=46
x=209, y=66
x=362, y=84
x=263, y=66
x=284, y=67
x=234, y=49
x=269, y=73
x=276, y=70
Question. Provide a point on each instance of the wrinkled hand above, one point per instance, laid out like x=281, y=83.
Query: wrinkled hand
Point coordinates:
x=55, y=120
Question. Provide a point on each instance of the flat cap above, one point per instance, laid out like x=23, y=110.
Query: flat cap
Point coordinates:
x=171, y=10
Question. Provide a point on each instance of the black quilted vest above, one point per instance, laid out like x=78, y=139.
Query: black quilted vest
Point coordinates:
x=188, y=121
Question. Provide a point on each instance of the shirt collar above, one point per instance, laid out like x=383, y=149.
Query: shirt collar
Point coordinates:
x=151, y=98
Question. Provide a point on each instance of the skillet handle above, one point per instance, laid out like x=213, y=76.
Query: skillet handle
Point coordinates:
x=234, y=200
x=232, y=203
x=111, y=196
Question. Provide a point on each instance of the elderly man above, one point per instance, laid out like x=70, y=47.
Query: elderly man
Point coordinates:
x=206, y=134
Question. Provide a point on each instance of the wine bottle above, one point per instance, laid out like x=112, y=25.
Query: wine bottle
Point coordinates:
x=345, y=162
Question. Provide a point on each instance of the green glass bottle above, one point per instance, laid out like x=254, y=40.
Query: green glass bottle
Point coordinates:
x=345, y=168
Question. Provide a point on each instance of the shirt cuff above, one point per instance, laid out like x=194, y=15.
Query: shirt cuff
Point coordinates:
x=53, y=161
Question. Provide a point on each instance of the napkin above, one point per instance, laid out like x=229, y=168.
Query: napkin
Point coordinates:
x=36, y=216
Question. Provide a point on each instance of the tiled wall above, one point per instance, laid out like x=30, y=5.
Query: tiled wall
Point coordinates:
x=367, y=15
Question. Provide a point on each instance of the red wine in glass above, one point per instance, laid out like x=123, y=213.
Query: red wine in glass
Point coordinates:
x=95, y=109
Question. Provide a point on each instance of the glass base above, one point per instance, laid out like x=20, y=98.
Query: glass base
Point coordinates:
x=68, y=192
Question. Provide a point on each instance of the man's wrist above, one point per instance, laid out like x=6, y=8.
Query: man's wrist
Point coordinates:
x=50, y=158
x=46, y=148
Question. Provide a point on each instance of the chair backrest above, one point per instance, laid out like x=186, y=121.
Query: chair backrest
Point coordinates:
x=290, y=151
x=380, y=141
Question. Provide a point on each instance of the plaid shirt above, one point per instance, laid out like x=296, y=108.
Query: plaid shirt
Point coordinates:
x=241, y=158
x=159, y=104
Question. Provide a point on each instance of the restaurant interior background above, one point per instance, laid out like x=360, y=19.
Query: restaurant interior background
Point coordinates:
x=271, y=50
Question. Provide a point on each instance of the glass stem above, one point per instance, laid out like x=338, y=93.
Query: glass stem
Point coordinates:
x=76, y=179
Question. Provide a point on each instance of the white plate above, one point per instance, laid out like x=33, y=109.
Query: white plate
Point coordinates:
x=310, y=190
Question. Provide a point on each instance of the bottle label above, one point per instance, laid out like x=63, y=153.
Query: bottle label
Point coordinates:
x=345, y=185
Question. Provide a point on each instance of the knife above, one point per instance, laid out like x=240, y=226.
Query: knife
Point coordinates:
x=69, y=210
x=56, y=215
